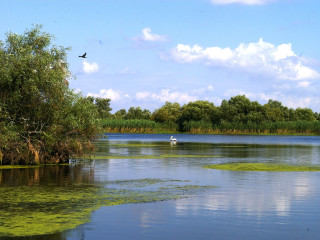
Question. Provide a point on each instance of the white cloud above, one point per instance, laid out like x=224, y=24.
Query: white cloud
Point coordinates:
x=304, y=84
x=295, y=102
x=245, y=2
x=255, y=58
x=200, y=91
x=147, y=36
x=107, y=93
x=89, y=67
x=210, y=88
x=260, y=97
x=143, y=95
x=166, y=95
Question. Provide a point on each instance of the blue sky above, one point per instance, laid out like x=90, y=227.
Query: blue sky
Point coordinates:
x=146, y=52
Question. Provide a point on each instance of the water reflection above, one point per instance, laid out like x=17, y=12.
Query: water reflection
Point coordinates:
x=243, y=204
x=214, y=152
x=57, y=176
x=258, y=194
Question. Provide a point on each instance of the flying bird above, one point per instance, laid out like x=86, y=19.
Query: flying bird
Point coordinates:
x=84, y=55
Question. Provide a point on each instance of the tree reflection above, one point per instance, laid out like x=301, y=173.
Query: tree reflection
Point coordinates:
x=47, y=175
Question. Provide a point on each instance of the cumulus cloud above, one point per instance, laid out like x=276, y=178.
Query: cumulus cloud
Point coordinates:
x=296, y=102
x=166, y=95
x=253, y=96
x=245, y=2
x=259, y=58
x=210, y=88
x=200, y=91
x=90, y=67
x=147, y=36
x=107, y=93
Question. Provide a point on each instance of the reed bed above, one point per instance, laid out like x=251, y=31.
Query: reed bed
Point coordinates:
x=137, y=126
x=203, y=127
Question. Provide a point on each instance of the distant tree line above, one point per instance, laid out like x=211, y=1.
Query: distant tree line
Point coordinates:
x=236, y=115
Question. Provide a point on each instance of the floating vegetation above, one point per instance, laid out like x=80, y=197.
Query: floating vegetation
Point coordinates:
x=97, y=157
x=18, y=166
x=39, y=210
x=263, y=167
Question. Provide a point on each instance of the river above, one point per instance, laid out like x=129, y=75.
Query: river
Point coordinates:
x=241, y=205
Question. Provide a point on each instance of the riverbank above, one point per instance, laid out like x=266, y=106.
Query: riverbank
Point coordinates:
x=304, y=128
x=209, y=132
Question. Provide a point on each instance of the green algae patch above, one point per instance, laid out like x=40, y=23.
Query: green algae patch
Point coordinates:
x=97, y=157
x=262, y=167
x=18, y=166
x=40, y=210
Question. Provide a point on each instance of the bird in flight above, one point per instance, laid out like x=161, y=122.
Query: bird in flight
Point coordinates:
x=84, y=55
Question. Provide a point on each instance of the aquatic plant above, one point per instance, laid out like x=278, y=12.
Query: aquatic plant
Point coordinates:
x=38, y=210
x=262, y=167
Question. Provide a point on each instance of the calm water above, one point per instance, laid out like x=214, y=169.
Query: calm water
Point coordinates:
x=245, y=205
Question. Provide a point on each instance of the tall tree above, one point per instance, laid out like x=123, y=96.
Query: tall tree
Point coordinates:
x=241, y=109
x=44, y=119
x=275, y=111
x=138, y=113
x=197, y=111
x=103, y=105
x=168, y=113
x=304, y=114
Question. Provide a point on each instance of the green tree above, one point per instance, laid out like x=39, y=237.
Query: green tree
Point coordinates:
x=241, y=109
x=274, y=111
x=138, y=113
x=168, y=113
x=317, y=116
x=304, y=114
x=103, y=105
x=197, y=111
x=120, y=114
x=42, y=120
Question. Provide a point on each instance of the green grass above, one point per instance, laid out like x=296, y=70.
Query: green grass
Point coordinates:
x=38, y=210
x=262, y=167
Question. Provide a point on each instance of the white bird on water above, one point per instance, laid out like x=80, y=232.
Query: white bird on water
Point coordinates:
x=173, y=139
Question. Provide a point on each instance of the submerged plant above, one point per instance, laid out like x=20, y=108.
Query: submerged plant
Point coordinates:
x=262, y=167
x=38, y=210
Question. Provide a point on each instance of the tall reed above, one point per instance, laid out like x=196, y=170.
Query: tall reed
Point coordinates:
x=204, y=127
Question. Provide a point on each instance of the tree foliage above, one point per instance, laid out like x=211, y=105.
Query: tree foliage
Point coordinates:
x=41, y=119
x=103, y=107
x=168, y=113
x=137, y=113
x=236, y=115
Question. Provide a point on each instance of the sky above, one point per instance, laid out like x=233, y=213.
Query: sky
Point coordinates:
x=146, y=52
